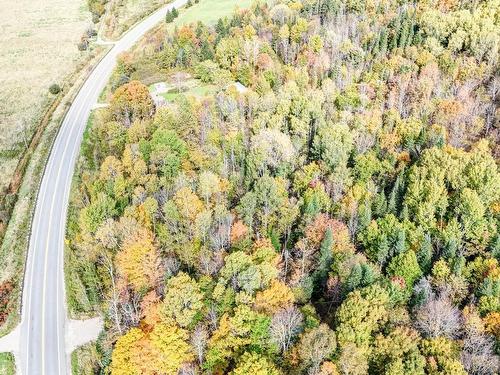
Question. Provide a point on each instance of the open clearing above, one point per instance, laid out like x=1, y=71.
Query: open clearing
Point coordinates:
x=172, y=88
x=209, y=11
x=39, y=47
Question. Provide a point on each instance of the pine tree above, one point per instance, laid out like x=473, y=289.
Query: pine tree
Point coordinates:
x=411, y=32
x=495, y=247
x=364, y=216
x=368, y=275
x=404, y=32
x=325, y=257
x=400, y=243
x=383, y=251
x=375, y=50
x=450, y=248
x=383, y=42
x=392, y=203
x=354, y=279
x=424, y=255
x=169, y=17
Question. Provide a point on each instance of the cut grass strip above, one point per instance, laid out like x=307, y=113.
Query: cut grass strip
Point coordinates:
x=7, y=364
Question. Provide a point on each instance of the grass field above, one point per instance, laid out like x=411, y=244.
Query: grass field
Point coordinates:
x=198, y=91
x=124, y=13
x=39, y=47
x=209, y=11
x=7, y=366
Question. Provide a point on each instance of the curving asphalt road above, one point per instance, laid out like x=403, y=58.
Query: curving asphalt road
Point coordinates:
x=43, y=324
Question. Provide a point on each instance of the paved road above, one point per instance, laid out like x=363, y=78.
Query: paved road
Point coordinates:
x=43, y=325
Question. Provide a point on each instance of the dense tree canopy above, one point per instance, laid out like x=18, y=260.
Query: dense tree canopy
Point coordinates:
x=340, y=216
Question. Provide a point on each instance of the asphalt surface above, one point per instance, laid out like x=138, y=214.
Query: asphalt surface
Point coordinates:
x=44, y=319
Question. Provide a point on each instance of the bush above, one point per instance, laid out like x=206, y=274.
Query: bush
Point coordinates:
x=54, y=89
x=84, y=43
x=91, y=32
x=5, y=293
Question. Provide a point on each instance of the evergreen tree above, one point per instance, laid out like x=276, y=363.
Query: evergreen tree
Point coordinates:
x=400, y=243
x=169, y=17
x=383, y=42
x=354, y=279
x=424, y=254
x=383, y=251
x=325, y=258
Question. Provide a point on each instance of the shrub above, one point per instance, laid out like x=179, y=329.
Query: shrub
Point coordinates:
x=6, y=288
x=84, y=43
x=54, y=89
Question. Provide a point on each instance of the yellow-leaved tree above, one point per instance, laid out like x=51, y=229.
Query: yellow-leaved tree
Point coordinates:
x=137, y=262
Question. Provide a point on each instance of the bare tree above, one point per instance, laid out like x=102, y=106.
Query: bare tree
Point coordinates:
x=199, y=342
x=315, y=346
x=423, y=291
x=438, y=317
x=285, y=325
x=114, y=297
x=478, y=353
x=352, y=360
x=188, y=369
x=172, y=266
x=212, y=318
x=130, y=307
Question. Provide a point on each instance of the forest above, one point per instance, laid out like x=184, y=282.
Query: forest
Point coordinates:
x=339, y=216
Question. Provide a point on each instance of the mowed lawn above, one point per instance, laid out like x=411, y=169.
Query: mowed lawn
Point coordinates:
x=7, y=366
x=38, y=47
x=198, y=91
x=209, y=11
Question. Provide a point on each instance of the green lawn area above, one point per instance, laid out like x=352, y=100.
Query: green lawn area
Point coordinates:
x=199, y=91
x=209, y=11
x=7, y=366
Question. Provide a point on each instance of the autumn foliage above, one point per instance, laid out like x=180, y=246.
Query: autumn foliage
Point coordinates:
x=326, y=203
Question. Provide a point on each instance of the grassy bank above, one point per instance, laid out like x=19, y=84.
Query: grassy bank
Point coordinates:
x=82, y=294
x=7, y=364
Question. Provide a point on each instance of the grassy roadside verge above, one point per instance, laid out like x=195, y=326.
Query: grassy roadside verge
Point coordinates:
x=13, y=250
x=82, y=294
x=7, y=364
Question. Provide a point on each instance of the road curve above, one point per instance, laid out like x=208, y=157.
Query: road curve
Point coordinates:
x=43, y=324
